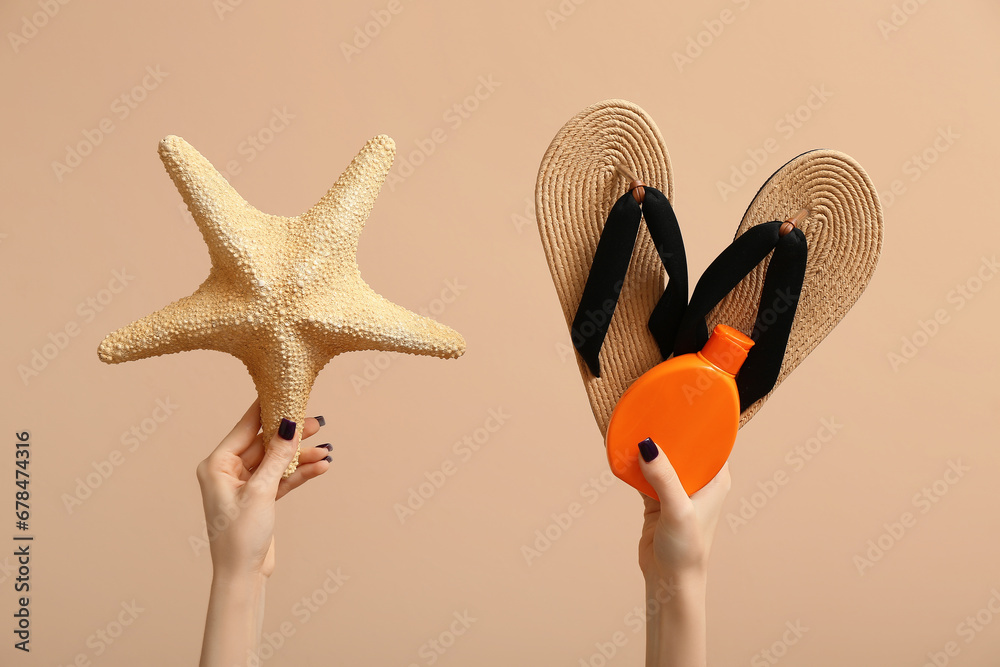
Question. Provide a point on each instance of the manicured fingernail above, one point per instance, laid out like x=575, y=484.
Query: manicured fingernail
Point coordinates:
x=328, y=446
x=328, y=459
x=287, y=429
x=322, y=422
x=648, y=450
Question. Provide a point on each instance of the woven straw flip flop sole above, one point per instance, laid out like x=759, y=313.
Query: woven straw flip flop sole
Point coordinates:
x=843, y=231
x=577, y=185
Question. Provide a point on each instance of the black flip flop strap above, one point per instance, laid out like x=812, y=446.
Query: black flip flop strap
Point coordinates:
x=775, y=312
x=665, y=320
x=610, y=264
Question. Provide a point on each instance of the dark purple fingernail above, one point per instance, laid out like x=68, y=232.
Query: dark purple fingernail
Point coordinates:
x=328, y=446
x=287, y=429
x=322, y=422
x=328, y=459
x=648, y=450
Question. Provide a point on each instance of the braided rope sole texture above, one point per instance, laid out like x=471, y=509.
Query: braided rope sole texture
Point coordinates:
x=844, y=235
x=576, y=187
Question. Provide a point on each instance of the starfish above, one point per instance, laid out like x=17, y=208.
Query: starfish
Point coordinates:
x=284, y=295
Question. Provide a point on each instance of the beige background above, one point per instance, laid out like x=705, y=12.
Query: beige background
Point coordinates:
x=463, y=217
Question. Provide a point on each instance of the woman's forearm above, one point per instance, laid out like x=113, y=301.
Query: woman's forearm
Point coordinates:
x=675, y=622
x=233, y=623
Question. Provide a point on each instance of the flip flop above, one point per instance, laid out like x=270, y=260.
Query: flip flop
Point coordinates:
x=588, y=166
x=840, y=219
x=827, y=200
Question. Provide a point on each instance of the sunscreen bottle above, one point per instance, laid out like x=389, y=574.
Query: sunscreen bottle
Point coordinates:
x=689, y=406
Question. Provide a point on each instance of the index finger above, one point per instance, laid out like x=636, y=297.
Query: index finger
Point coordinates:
x=243, y=434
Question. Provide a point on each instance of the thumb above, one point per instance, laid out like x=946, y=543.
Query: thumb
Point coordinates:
x=662, y=477
x=278, y=453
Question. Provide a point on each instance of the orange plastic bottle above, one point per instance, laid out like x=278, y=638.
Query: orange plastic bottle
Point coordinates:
x=689, y=406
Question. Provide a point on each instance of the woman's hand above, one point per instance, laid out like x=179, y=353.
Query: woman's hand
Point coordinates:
x=240, y=482
x=673, y=555
x=677, y=532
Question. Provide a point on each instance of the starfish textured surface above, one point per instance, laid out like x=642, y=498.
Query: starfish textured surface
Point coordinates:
x=284, y=295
